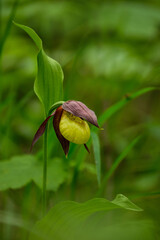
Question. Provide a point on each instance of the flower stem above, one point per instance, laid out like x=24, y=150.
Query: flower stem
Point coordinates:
x=44, y=192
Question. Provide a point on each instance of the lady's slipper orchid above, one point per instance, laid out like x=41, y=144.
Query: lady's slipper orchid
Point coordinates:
x=70, y=124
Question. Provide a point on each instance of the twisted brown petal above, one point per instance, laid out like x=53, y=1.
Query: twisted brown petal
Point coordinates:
x=64, y=142
x=40, y=130
x=79, y=109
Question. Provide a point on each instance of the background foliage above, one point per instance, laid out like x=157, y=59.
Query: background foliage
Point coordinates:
x=108, y=50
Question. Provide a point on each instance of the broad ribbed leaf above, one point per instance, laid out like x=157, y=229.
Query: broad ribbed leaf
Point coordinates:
x=48, y=85
x=20, y=170
x=67, y=219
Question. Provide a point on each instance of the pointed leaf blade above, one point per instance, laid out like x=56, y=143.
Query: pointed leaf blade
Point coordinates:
x=48, y=85
x=120, y=104
x=97, y=155
x=124, y=202
x=116, y=163
x=32, y=34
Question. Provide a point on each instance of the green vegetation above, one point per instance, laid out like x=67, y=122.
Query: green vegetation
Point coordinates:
x=105, y=54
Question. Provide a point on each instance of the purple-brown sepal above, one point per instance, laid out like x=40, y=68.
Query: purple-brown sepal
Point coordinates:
x=80, y=110
x=64, y=142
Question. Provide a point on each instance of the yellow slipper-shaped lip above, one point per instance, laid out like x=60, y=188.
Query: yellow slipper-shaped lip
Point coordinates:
x=73, y=128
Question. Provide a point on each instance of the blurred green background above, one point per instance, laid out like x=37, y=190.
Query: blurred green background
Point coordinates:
x=108, y=50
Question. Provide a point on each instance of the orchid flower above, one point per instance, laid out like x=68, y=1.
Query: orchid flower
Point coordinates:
x=70, y=124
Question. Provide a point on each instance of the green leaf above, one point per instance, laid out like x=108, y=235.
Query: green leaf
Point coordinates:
x=32, y=34
x=16, y=172
x=66, y=218
x=10, y=218
x=48, y=85
x=116, y=163
x=56, y=174
x=97, y=156
x=21, y=170
x=120, y=104
x=124, y=202
x=54, y=106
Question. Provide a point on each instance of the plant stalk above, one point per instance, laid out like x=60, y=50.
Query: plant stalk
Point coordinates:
x=44, y=191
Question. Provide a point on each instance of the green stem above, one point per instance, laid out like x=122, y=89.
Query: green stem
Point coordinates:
x=44, y=193
x=44, y=190
x=54, y=106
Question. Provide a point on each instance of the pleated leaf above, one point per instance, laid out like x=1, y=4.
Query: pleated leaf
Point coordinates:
x=67, y=219
x=48, y=85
